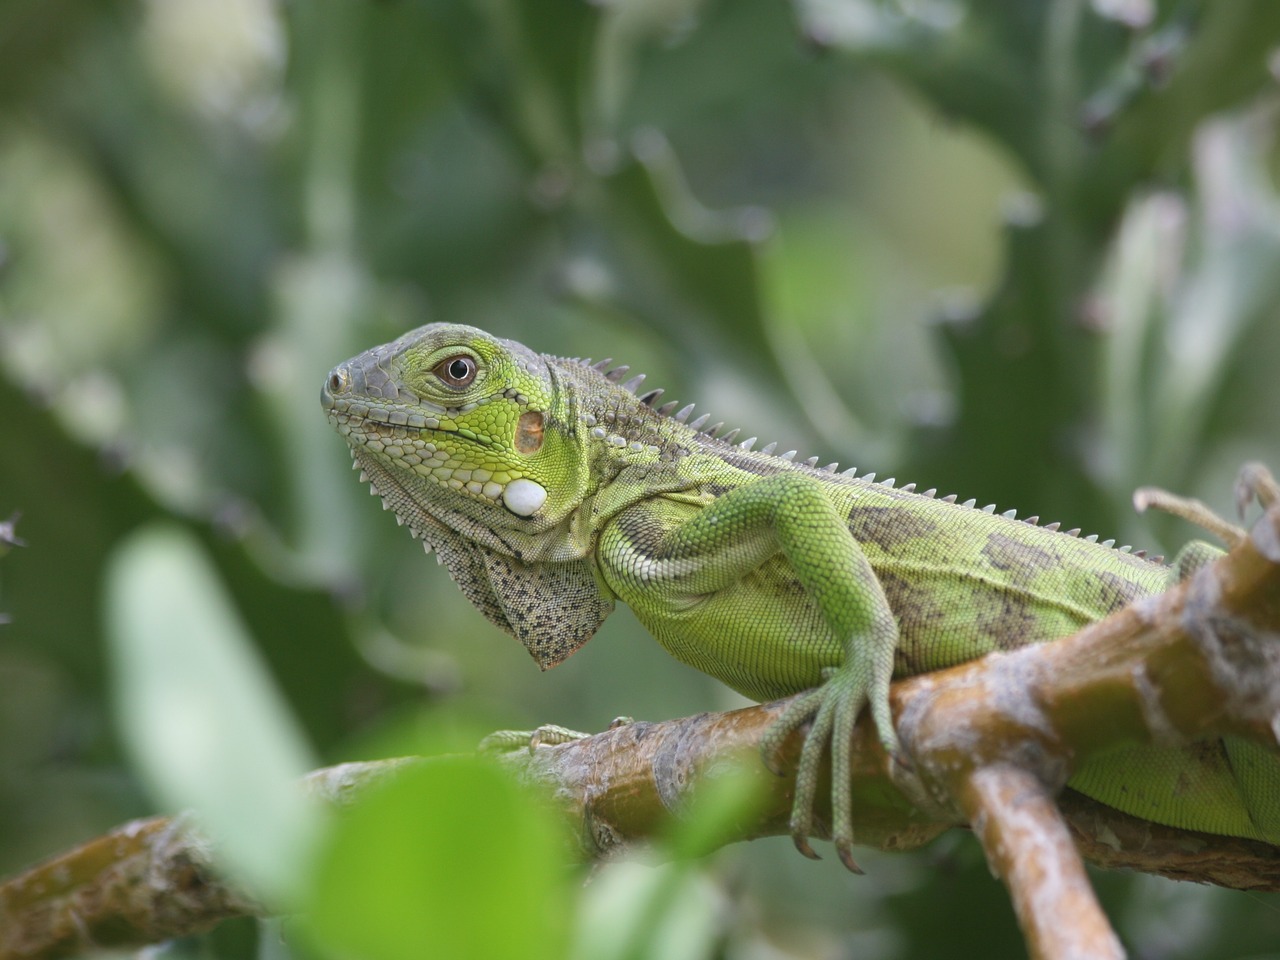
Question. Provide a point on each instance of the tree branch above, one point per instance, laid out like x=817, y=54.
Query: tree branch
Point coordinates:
x=1028, y=843
x=990, y=742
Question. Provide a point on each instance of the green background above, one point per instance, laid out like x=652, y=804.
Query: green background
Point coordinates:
x=1023, y=250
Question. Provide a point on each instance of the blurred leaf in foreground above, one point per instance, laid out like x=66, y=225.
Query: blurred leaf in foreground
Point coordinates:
x=450, y=859
x=197, y=708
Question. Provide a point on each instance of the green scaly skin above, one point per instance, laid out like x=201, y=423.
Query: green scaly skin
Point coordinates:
x=550, y=490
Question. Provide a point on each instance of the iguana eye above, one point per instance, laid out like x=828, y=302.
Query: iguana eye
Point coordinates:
x=457, y=371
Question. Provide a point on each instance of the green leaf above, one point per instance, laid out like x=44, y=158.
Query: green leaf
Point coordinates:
x=451, y=859
x=199, y=712
x=635, y=913
x=632, y=911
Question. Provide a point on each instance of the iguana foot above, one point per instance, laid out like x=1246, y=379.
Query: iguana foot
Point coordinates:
x=547, y=735
x=1189, y=509
x=1255, y=482
x=832, y=710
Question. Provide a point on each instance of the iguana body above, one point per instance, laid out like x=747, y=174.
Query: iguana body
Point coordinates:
x=549, y=489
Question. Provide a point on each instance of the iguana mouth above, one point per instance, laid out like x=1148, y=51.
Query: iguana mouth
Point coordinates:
x=342, y=409
x=361, y=418
x=361, y=421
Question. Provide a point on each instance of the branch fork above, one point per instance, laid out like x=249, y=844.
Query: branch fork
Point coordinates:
x=997, y=740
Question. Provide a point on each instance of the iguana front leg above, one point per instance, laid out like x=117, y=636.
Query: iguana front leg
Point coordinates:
x=678, y=576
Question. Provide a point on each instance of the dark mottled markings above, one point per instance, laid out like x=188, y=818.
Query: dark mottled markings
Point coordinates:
x=466, y=566
x=889, y=527
x=552, y=607
x=1006, y=619
x=920, y=617
x=1022, y=560
x=1115, y=591
x=941, y=624
x=509, y=543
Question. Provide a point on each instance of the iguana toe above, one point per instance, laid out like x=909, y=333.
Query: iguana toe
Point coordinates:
x=806, y=792
x=848, y=697
x=802, y=844
x=795, y=716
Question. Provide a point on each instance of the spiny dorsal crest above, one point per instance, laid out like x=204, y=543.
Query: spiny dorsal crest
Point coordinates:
x=672, y=410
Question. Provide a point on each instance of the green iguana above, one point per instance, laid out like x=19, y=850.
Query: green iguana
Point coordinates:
x=550, y=489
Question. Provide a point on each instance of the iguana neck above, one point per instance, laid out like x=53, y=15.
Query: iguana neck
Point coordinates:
x=633, y=451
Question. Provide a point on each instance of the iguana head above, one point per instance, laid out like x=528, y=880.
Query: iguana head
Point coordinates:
x=472, y=441
x=462, y=417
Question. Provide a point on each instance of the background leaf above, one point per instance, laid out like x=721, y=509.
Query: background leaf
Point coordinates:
x=208, y=729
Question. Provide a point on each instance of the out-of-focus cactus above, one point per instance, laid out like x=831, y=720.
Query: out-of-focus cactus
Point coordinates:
x=1099, y=103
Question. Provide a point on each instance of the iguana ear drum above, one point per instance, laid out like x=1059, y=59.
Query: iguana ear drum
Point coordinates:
x=529, y=433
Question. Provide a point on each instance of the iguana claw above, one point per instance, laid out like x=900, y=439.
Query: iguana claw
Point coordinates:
x=802, y=844
x=846, y=857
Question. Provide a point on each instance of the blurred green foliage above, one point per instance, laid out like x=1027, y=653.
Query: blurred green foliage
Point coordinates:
x=450, y=860
x=1027, y=250
x=238, y=771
